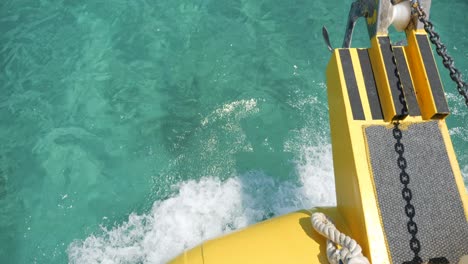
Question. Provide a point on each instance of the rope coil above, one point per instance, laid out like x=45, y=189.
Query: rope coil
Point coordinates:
x=350, y=252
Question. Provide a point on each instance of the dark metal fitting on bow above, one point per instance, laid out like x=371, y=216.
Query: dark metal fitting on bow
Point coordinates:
x=380, y=15
x=360, y=8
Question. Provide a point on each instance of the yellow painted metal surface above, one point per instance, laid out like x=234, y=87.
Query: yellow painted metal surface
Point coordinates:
x=356, y=193
x=454, y=164
x=381, y=79
x=421, y=81
x=356, y=198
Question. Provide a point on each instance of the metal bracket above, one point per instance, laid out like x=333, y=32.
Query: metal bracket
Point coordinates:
x=378, y=15
x=360, y=8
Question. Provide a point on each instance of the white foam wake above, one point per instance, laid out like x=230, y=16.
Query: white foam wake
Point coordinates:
x=207, y=208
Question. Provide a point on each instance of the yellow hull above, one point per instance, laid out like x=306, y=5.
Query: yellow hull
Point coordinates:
x=286, y=239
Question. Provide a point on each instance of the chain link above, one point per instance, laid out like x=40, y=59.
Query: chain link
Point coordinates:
x=441, y=49
x=407, y=195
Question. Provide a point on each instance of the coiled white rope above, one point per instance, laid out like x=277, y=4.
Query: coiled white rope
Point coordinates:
x=350, y=252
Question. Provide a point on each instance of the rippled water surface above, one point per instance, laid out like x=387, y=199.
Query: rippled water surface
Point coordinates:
x=132, y=130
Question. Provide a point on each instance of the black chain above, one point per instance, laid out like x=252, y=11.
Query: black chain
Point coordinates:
x=401, y=97
x=412, y=227
x=441, y=49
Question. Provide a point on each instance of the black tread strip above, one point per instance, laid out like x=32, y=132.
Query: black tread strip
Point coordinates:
x=351, y=85
x=369, y=81
x=393, y=80
x=407, y=83
x=432, y=75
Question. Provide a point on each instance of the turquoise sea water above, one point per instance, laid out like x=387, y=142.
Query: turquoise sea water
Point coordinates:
x=132, y=130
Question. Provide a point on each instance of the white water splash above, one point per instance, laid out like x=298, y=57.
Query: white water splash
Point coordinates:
x=208, y=208
x=238, y=109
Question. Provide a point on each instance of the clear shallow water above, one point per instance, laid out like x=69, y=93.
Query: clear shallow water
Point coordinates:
x=134, y=129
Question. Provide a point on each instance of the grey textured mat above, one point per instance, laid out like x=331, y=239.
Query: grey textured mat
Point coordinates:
x=442, y=228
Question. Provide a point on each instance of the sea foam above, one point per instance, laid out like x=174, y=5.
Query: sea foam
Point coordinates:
x=207, y=208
